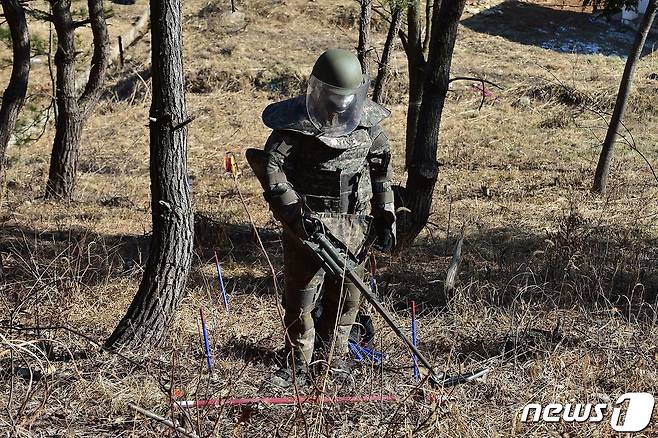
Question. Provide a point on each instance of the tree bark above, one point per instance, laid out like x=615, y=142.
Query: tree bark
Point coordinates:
x=383, y=69
x=605, y=159
x=416, y=66
x=165, y=277
x=73, y=111
x=363, y=48
x=423, y=167
x=14, y=95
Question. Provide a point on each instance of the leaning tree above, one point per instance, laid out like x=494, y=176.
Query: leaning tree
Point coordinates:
x=165, y=277
x=605, y=159
x=397, y=14
x=14, y=95
x=73, y=110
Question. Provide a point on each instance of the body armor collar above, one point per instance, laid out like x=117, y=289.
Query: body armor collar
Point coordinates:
x=291, y=115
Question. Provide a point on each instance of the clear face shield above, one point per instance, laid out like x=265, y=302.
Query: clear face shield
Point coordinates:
x=335, y=111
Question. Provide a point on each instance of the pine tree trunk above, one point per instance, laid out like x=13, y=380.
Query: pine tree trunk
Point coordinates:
x=605, y=159
x=364, y=35
x=165, y=277
x=383, y=69
x=14, y=95
x=72, y=112
x=423, y=167
x=66, y=149
x=64, y=158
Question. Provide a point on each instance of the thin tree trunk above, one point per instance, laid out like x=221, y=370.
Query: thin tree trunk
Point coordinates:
x=165, y=277
x=363, y=48
x=423, y=167
x=384, y=63
x=14, y=95
x=416, y=66
x=605, y=159
x=73, y=111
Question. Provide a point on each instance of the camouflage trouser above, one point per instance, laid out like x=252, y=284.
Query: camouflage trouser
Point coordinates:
x=306, y=287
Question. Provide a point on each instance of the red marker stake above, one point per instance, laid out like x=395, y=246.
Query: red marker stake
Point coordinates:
x=291, y=401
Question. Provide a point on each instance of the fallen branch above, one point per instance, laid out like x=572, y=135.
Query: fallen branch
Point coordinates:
x=453, y=269
x=162, y=420
x=480, y=80
x=467, y=78
x=135, y=32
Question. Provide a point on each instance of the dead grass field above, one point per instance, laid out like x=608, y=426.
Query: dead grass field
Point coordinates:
x=539, y=248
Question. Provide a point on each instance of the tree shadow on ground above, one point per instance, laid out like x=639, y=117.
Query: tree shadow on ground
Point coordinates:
x=248, y=351
x=236, y=241
x=580, y=264
x=559, y=30
x=80, y=256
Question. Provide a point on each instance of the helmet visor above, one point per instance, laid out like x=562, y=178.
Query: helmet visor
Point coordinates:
x=335, y=111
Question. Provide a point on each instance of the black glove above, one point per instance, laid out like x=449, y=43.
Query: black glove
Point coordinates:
x=384, y=237
x=301, y=224
x=305, y=225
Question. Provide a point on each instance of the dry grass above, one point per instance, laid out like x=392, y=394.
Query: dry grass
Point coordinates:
x=539, y=248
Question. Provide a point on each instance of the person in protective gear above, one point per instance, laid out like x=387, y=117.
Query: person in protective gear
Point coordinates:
x=327, y=158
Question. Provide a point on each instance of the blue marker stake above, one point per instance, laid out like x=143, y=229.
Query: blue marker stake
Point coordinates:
x=414, y=339
x=206, y=342
x=220, y=279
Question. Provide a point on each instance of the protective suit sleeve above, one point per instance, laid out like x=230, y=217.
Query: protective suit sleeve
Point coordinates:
x=381, y=173
x=280, y=195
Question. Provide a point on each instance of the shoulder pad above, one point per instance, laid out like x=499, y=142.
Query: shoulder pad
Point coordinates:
x=290, y=114
x=373, y=113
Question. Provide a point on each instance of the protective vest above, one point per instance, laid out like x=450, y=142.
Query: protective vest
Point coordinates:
x=346, y=174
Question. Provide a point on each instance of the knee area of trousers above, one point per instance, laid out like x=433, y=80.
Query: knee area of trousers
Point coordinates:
x=304, y=319
x=303, y=302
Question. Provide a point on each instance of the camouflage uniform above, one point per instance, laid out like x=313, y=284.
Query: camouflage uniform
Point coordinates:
x=339, y=179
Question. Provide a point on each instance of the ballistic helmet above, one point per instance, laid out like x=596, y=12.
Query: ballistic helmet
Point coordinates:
x=337, y=91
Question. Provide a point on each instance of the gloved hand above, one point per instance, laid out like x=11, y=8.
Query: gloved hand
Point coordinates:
x=302, y=224
x=305, y=225
x=385, y=238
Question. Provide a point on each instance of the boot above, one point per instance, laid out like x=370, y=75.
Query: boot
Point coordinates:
x=341, y=370
x=285, y=378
